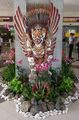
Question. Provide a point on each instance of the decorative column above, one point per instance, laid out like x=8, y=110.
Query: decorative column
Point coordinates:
x=19, y=56
x=39, y=28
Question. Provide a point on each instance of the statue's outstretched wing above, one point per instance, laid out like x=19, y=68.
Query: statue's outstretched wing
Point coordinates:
x=21, y=31
x=54, y=18
x=53, y=21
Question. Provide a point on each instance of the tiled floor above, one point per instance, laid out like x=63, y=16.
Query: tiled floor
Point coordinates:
x=7, y=112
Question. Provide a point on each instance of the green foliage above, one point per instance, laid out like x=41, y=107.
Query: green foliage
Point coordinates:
x=66, y=69
x=61, y=82
x=9, y=72
x=41, y=76
x=53, y=95
x=37, y=96
x=48, y=84
x=27, y=92
x=40, y=90
x=55, y=78
x=40, y=94
x=66, y=85
x=22, y=75
x=15, y=86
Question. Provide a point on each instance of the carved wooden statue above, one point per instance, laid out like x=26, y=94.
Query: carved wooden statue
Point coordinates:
x=36, y=32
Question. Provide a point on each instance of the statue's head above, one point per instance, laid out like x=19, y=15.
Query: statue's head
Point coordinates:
x=38, y=34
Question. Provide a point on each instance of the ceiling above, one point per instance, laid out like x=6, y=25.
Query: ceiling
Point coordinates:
x=69, y=5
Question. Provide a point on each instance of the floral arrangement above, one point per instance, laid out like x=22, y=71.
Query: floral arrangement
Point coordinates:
x=48, y=88
x=9, y=72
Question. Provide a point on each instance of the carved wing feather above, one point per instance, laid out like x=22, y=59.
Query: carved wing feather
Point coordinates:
x=53, y=21
x=20, y=29
x=18, y=22
x=53, y=43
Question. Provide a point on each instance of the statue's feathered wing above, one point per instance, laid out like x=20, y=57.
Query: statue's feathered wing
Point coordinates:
x=20, y=29
x=54, y=18
x=53, y=21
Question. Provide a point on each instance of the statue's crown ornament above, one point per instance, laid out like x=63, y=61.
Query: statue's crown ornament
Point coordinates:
x=37, y=14
x=38, y=27
x=38, y=32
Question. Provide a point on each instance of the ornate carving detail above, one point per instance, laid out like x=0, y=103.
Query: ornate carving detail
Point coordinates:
x=36, y=32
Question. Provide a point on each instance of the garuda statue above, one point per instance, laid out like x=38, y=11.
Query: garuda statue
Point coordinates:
x=36, y=31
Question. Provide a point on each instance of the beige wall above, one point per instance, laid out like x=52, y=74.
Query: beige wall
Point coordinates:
x=71, y=14
x=6, y=9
